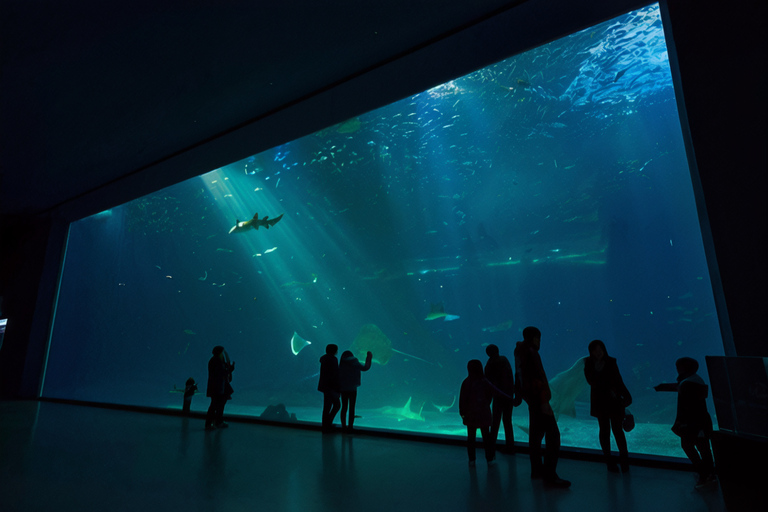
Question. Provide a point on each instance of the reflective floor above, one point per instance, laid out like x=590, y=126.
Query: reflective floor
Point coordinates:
x=73, y=458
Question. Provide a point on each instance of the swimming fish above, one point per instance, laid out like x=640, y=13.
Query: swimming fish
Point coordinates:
x=443, y=408
x=503, y=326
x=255, y=223
x=403, y=413
x=438, y=311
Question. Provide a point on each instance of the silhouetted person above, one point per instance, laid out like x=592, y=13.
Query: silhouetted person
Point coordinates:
x=349, y=381
x=189, y=391
x=219, y=387
x=498, y=371
x=475, y=410
x=329, y=386
x=531, y=385
x=693, y=423
x=608, y=397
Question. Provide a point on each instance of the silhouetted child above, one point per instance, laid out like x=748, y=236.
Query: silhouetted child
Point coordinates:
x=190, y=388
x=475, y=410
x=693, y=423
x=608, y=398
x=349, y=381
x=329, y=386
x=498, y=371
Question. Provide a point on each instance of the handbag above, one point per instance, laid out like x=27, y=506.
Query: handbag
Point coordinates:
x=628, y=423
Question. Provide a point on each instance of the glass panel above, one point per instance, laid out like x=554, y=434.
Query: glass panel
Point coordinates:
x=550, y=189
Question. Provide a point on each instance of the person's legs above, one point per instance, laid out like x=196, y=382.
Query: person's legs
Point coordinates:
x=327, y=406
x=209, y=417
x=707, y=463
x=509, y=434
x=471, y=437
x=352, y=402
x=496, y=412
x=688, y=444
x=344, y=407
x=488, y=444
x=335, y=406
x=552, y=439
x=621, y=441
x=604, y=435
x=535, y=435
x=222, y=401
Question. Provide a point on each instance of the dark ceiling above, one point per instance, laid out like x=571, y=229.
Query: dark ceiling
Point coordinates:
x=93, y=90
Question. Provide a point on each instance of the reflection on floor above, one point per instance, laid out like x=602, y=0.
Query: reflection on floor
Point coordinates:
x=72, y=458
x=646, y=438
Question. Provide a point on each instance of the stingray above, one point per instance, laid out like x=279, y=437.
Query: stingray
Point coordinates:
x=438, y=311
x=443, y=408
x=370, y=338
x=298, y=343
x=565, y=387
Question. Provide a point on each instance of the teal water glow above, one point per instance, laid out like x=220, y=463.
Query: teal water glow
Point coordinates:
x=549, y=189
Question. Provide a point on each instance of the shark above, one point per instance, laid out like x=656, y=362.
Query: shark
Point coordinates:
x=255, y=223
x=403, y=413
x=438, y=311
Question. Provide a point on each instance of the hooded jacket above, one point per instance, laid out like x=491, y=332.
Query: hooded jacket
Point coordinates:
x=531, y=379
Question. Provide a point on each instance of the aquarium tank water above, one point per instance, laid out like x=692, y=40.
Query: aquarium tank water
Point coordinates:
x=550, y=189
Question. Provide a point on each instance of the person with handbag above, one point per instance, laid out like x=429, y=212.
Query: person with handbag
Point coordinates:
x=608, y=399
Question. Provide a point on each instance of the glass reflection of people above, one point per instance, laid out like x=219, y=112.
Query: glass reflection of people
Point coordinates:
x=475, y=410
x=531, y=385
x=498, y=371
x=608, y=398
x=349, y=380
x=693, y=423
x=219, y=387
x=329, y=386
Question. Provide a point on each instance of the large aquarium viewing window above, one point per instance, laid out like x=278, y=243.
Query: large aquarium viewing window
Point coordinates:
x=550, y=189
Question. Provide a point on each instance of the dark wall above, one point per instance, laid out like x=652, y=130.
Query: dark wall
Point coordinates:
x=22, y=262
x=722, y=65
